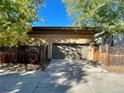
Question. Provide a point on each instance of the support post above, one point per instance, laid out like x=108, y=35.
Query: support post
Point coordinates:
x=107, y=55
x=100, y=52
x=94, y=54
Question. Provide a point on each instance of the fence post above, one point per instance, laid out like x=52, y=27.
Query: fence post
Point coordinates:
x=93, y=53
x=107, y=54
x=100, y=52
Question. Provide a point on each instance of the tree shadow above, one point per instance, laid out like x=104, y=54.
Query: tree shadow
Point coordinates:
x=12, y=82
x=59, y=77
x=70, y=51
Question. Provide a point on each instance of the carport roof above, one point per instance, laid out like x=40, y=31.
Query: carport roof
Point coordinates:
x=62, y=30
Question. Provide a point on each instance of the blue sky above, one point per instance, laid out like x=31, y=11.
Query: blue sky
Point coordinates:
x=54, y=13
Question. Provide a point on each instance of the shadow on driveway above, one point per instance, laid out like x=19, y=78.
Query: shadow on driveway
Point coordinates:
x=62, y=76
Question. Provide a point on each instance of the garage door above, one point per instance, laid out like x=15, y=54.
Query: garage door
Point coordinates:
x=69, y=51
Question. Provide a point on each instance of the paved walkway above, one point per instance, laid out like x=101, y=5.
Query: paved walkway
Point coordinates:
x=63, y=76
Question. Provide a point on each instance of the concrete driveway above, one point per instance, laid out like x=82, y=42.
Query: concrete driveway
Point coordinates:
x=63, y=76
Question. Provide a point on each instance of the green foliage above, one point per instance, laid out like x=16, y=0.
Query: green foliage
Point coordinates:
x=107, y=15
x=16, y=18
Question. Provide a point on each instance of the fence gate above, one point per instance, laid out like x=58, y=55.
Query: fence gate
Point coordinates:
x=28, y=54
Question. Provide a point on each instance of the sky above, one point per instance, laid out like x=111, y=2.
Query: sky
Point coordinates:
x=54, y=13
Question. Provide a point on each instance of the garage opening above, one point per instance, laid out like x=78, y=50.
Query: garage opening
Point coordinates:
x=70, y=51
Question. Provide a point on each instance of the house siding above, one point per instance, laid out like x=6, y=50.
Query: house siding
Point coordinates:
x=61, y=38
x=49, y=39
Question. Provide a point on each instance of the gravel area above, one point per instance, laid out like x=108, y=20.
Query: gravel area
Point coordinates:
x=19, y=67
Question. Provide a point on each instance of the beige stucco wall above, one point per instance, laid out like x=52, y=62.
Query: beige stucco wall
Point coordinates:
x=60, y=38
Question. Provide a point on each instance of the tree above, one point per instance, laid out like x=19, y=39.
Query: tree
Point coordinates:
x=16, y=18
x=105, y=15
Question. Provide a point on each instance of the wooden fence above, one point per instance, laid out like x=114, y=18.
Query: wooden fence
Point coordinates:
x=108, y=55
x=23, y=54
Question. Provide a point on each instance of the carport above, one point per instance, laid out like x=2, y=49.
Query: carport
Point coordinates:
x=64, y=42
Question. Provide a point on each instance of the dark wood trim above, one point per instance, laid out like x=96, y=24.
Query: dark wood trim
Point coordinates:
x=85, y=44
x=61, y=30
